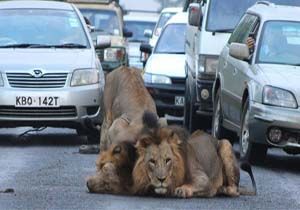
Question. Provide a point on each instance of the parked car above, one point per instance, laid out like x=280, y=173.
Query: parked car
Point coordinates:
x=137, y=22
x=164, y=16
x=164, y=72
x=106, y=17
x=211, y=23
x=257, y=94
x=50, y=74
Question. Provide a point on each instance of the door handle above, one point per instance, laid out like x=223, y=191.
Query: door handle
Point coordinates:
x=225, y=64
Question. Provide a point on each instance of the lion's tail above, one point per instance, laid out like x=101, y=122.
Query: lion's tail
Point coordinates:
x=245, y=166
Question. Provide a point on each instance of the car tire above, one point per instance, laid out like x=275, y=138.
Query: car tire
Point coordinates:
x=218, y=131
x=249, y=151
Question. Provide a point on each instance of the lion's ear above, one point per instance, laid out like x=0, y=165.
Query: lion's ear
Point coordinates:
x=143, y=142
x=175, y=139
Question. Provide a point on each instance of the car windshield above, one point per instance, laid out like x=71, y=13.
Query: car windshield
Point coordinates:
x=224, y=15
x=163, y=19
x=137, y=28
x=41, y=28
x=103, y=20
x=280, y=43
x=172, y=39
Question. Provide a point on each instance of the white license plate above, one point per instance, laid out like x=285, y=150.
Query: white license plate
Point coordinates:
x=179, y=100
x=37, y=101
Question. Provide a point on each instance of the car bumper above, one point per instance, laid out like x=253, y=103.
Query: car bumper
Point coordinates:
x=264, y=117
x=77, y=106
x=164, y=97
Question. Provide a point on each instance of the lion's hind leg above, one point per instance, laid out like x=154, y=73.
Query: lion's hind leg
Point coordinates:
x=231, y=172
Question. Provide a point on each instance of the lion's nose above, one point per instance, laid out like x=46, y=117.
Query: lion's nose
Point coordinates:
x=161, y=179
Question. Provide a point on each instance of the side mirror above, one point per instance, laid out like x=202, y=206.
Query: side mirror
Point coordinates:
x=126, y=33
x=195, y=14
x=103, y=42
x=146, y=48
x=148, y=33
x=239, y=51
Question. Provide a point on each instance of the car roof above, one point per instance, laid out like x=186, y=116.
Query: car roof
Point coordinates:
x=269, y=11
x=181, y=17
x=141, y=16
x=172, y=10
x=35, y=5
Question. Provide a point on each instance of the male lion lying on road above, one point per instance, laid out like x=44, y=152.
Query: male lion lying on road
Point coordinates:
x=171, y=164
x=114, y=168
x=125, y=100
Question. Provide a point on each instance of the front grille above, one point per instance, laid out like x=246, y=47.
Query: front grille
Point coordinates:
x=100, y=54
x=26, y=80
x=32, y=112
x=178, y=80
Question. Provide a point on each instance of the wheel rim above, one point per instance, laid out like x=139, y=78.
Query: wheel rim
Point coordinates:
x=216, y=125
x=245, y=135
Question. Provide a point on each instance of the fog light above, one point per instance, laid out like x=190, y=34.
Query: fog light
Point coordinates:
x=275, y=135
x=205, y=94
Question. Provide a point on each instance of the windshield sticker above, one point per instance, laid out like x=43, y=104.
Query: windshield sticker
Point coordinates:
x=73, y=22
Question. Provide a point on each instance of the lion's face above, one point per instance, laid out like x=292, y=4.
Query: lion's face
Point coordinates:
x=120, y=155
x=161, y=162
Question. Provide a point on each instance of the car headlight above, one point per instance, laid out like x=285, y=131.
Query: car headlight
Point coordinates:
x=279, y=97
x=1, y=80
x=156, y=79
x=208, y=64
x=114, y=54
x=84, y=77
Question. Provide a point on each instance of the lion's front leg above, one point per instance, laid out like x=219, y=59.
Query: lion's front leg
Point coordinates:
x=200, y=186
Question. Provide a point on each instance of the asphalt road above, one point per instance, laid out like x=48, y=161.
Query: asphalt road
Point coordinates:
x=46, y=172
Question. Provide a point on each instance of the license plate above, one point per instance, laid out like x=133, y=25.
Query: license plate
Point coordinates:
x=179, y=100
x=37, y=101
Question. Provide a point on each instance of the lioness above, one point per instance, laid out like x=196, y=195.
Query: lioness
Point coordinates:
x=114, y=168
x=170, y=163
x=125, y=100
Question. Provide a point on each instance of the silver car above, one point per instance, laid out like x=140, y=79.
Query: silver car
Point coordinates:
x=50, y=74
x=257, y=90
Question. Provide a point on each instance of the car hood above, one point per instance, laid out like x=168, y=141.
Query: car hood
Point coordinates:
x=171, y=65
x=282, y=76
x=47, y=59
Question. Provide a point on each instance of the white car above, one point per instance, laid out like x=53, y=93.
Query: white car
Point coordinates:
x=137, y=23
x=164, y=16
x=164, y=72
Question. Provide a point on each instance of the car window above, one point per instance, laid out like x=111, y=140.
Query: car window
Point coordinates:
x=40, y=27
x=137, y=28
x=163, y=19
x=243, y=29
x=280, y=43
x=172, y=39
x=103, y=20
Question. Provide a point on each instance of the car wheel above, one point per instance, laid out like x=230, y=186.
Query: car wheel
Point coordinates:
x=218, y=131
x=217, y=128
x=250, y=151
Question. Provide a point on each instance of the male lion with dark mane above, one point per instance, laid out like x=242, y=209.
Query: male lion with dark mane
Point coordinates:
x=125, y=100
x=171, y=163
x=114, y=168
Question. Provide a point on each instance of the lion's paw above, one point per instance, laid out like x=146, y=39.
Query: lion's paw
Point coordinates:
x=184, y=192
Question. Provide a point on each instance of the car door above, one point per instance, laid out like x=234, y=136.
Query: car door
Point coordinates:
x=235, y=71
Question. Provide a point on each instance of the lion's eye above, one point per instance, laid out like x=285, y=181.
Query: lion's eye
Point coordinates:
x=152, y=162
x=168, y=160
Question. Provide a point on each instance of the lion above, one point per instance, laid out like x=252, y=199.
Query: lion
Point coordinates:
x=125, y=100
x=172, y=163
x=114, y=168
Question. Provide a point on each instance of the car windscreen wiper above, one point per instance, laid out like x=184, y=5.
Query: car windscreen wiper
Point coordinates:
x=227, y=30
x=69, y=45
x=23, y=45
